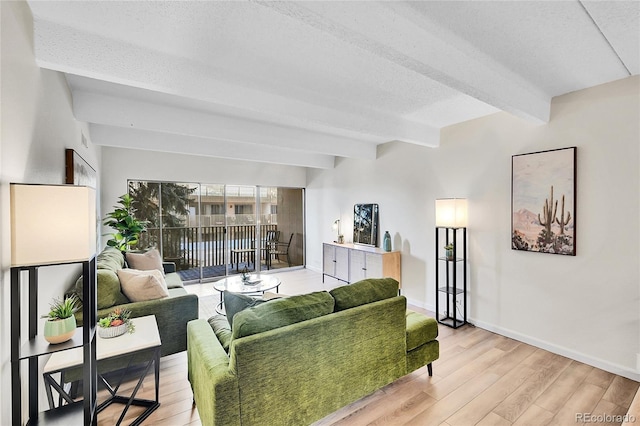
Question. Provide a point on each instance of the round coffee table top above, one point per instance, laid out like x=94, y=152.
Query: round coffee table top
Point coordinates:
x=256, y=283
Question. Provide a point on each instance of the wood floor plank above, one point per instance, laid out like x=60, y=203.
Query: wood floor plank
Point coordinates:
x=600, y=378
x=462, y=375
x=621, y=391
x=170, y=409
x=448, y=365
x=633, y=413
x=534, y=416
x=584, y=400
x=406, y=411
x=546, y=372
x=608, y=414
x=556, y=395
x=508, y=344
x=492, y=419
x=484, y=403
x=444, y=408
x=476, y=335
x=512, y=359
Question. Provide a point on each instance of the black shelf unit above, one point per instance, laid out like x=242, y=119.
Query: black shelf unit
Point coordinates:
x=83, y=412
x=453, y=291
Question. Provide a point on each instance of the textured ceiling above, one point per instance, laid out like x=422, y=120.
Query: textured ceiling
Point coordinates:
x=303, y=82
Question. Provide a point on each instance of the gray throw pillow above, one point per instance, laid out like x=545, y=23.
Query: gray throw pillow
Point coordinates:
x=236, y=302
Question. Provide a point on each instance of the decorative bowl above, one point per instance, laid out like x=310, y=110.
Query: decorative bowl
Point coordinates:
x=109, y=332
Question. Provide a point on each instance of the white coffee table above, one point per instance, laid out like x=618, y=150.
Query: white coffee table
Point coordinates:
x=146, y=338
x=256, y=284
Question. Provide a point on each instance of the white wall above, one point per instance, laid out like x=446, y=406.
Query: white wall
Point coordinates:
x=586, y=307
x=120, y=164
x=37, y=126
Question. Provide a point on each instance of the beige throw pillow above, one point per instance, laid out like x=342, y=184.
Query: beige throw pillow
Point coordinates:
x=145, y=261
x=140, y=286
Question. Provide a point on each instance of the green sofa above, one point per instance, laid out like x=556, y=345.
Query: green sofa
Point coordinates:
x=172, y=313
x=294, y=360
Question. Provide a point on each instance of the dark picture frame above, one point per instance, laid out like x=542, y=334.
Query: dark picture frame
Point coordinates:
x=543, y=201
x=365, y=224
x=78, y=171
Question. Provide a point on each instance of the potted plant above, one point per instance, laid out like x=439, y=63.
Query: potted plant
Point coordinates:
x=448, y=249
x=61, y=323
x=123, y=221
x=116, y=323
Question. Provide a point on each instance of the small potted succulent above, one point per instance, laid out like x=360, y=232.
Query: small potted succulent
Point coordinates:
x=448, y=250
x=116, y=323
x=61, y=323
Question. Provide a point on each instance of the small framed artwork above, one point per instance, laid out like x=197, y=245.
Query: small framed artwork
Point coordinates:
x=78, y=171
x=543, y=201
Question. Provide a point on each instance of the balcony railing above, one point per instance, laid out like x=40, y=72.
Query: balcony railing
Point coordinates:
x=193, y=247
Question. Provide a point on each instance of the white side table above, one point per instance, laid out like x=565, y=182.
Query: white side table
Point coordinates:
x=146, y=338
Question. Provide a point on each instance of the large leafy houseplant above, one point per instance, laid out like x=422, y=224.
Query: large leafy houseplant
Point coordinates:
x=127, y=227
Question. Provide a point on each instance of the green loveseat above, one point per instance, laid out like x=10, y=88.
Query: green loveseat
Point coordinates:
x=294, y=360
x=172, y=313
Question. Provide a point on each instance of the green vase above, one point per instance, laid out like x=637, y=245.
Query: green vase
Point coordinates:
x=386, y=241
x=59, y=331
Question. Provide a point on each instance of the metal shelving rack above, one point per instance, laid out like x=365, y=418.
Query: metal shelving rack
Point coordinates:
x=451, y=290
x=83, y=412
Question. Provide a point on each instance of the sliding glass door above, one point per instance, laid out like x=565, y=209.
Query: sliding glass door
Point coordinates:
x=213, y=230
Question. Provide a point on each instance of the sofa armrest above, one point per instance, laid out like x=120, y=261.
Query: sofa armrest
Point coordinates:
x=215, y=387
x=169, y=267
x=172, y=315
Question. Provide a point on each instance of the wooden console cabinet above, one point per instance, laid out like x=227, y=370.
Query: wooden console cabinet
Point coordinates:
x=352, y=262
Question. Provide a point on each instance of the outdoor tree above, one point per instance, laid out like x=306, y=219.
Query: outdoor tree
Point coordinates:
x=169, y=201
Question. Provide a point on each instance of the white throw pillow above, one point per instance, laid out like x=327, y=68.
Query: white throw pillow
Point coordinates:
x=140, y=286
x=145, y=261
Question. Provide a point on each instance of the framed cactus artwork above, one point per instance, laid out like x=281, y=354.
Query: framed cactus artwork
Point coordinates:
x=543, y=201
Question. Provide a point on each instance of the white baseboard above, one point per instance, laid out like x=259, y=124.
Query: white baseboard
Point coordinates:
x=560, y=350
x=419, y=304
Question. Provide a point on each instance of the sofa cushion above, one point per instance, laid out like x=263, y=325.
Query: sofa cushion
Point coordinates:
x=281, y=312
x=222, y=330
x=236, y=302
x=110, y=258
x=173, y=280
x=363, y=292
x=109, y=292
x=420, y=329
x=145, y=261
x=140, y=286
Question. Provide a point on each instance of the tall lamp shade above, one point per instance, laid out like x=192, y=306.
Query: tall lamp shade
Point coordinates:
x=52, y=224
x=451, y=213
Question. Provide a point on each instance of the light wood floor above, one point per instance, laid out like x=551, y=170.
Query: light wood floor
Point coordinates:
x=481, y=378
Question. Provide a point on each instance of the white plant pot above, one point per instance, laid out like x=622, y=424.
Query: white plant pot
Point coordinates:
x=109, y=332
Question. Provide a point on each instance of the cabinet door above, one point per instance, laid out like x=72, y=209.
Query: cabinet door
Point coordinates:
x=358, y=266
x=342, y=263
x=328, y=260
x=374, y=266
